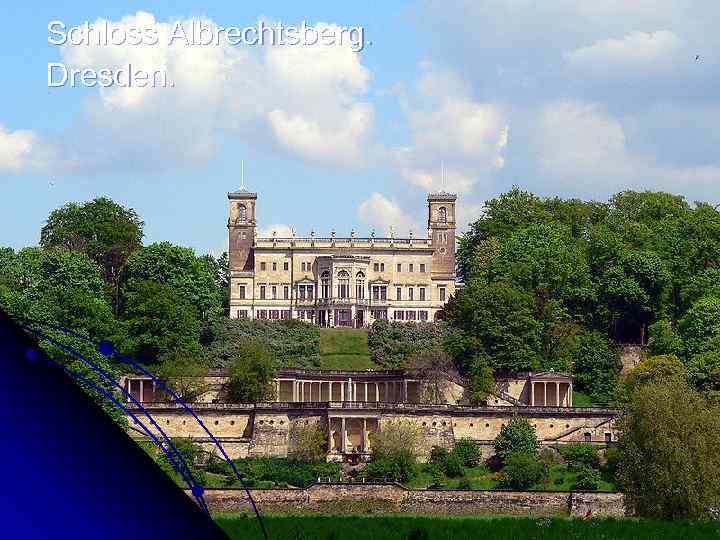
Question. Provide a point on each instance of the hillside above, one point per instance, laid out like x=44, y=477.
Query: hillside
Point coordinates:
x=345, y=348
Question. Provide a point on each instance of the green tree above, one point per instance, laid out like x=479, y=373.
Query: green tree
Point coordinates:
x=668, y=452
x=482, y=381
x=102, y=229
x=499, y=320
x=183, y=371
x=596, y=367
x=704, y=372
x=468, y=451
x=308, y=443
x=700, y=324
x=664, y=339
x=588, y=479
x=518, y=436
x=251, y=375
x=653, y=369
x=157, y=320
x=522, y=470
x=181, y=270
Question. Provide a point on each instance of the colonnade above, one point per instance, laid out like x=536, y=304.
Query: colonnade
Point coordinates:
x=346, y=390
x=550, y=394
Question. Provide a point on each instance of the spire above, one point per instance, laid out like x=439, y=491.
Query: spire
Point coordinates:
x=242, y=175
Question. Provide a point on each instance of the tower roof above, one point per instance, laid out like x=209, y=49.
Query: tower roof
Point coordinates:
x=441, y=196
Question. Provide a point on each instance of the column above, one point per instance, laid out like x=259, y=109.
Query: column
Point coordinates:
x=343, y=438
x=330, y=434
x=351, y=394
x=557, y=394
x=342, y=391
x=377, y=393
x=532, y=393
x=294, y=391
x=362, y=437
x=277, y=390
x=142, y=391
x=366, y=392
x=302, y=390
x=545, y=394
x=570, y=395
x=387, y=398
x=405, y=394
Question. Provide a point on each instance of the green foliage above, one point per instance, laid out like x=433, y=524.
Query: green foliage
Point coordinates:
x=468, y=451
x=499, y=322
x=482, y=381
x=399, y=467
x=294, y=343
x=178, y=268
x=308, y=442
x=700, y=324
x=156, y=320
x=183, y=372
x=453, y=465
x=654, y=369
x=191, y=453
x=588, y=479
x=438, y=456
x=517, y=436
x=664, y=339
x=394, y=450
x=704, y=372
x=668, y=452
x=250, y=376
x=394, y=345
x=596, y=367
x=285, y=471
x=522, y=470
x=579, y=456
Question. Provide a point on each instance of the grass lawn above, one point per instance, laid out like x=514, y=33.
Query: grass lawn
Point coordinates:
x=405, y=527
x=344, y=348
x=581, y=400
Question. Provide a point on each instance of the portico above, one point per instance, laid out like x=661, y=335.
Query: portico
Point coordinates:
x=550, y=390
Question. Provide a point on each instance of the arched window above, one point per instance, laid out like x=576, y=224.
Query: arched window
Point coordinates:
x=442, y=214
x=343, y=284
x=360, y=286
x=242, y=214
x=325, y=284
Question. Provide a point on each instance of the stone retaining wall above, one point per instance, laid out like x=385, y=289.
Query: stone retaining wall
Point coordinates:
x=395, y=498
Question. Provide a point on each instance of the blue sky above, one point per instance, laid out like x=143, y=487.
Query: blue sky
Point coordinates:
x=570, y=98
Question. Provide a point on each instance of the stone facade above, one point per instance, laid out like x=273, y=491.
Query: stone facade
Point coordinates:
x=341, y=281
x=394, y=498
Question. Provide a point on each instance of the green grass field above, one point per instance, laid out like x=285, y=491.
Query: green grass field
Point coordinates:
x=344, y=348
x=403, y=527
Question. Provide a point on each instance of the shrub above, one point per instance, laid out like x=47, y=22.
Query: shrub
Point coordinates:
x=547, y=456
x=453, y=466
x=612, y=458
x=251, y=375
x=579, y=456
x=282, y=471
x=468, y=451
x=518, y=436
x=395, y=437
x=437, y=476
x=522, y=470
x=438, y=456
x=308, y=443
x=399, y=467
x=588, y=479
x=393, y=345
x=464, y=484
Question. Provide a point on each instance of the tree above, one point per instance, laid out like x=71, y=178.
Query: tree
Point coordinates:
x=482, y=381
x=102, y=229
x=596, y=367
x=518, y=436
x=664, y=339
x=251, y=375
x=499, y=321
x=700, y=324
x=704, y=372
x=522, y=470
x=179, y=269
x=156, y=320
x=394, y=449
x=184, y=373
x=468, y=451
x=653, y=369
x=588, y=479
x=436, y=370
x=308, y=443
x=670, y=434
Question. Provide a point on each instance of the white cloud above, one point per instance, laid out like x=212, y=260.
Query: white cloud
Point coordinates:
x=450, y=127
x=637, y=49
x=381, y=213
x=16, y=150
x=304, y=101
x=281, y=230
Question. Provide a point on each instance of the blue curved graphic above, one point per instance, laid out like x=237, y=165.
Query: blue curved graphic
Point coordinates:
x=106, y=348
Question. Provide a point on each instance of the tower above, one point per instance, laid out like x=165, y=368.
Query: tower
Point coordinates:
x=441, y=226
x=241, y=230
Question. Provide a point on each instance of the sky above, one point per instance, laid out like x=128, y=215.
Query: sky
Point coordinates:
x=574, y=98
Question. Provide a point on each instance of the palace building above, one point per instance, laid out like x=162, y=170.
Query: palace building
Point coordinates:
x=336, y=281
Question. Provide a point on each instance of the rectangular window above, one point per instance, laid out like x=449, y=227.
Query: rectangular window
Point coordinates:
x=399, y=267
x=262, y=292
x=399, y=293
x=383, y=293
x=376, y=267
x=399, y=315
x=422, y=294
x=310, y=292
x=285, y=314
x=411, y=267
x=274, y=267
x=376, y=293
x=301, y=292
x=274, y=314
x=242, y=314
x=422, y=268
x=286, y=266
x=441, y=293
x=410, y=315
x=286, y=292
x=382, y=267
x=262, y=314
x=423, y=315
x=241, y=292
x=608, y=437
x=411, y=293
x=360, y=291
x=274, y=292
x=263, y=266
